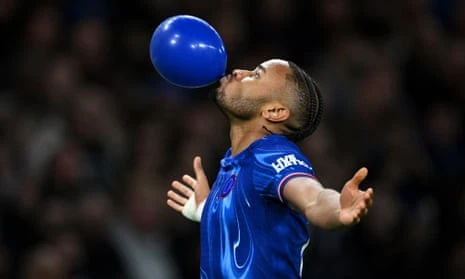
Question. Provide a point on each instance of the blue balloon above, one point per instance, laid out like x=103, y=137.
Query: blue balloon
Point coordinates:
x=188, y=52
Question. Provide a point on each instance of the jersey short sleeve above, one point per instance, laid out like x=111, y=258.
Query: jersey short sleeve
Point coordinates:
x=275, y=164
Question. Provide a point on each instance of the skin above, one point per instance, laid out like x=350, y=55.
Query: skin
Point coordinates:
x=255, y=99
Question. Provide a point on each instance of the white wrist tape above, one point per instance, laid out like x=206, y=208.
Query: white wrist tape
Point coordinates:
x=191, y=211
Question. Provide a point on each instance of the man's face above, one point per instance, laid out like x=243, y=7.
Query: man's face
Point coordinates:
x=242, y=93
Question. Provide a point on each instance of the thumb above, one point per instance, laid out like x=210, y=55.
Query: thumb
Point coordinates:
x=198, y=169
x=202, y=189
x=358, y=177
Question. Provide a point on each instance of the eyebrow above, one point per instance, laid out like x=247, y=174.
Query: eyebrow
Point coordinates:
x=260, y=67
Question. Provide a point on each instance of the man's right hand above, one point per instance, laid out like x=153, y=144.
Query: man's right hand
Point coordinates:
x=188, y=197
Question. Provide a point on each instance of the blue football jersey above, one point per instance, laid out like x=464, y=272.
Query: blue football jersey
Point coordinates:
x=247, y=229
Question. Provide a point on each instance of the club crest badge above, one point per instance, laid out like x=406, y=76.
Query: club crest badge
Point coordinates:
x=228, y=186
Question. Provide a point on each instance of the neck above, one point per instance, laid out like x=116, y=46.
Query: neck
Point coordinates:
x=244, y=134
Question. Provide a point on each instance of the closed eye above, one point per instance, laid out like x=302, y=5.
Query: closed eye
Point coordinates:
x=260, y=69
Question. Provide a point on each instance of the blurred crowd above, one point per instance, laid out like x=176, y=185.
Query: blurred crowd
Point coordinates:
x=91, y=136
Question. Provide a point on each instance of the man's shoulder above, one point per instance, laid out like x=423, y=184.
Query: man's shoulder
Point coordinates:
x=278, y=153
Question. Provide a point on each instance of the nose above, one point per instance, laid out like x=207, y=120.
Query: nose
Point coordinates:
x=240, y=74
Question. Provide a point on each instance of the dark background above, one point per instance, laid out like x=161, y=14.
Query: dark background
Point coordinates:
x=91, y=136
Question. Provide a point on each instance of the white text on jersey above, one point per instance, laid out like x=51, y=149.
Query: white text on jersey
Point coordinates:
x=287, y=161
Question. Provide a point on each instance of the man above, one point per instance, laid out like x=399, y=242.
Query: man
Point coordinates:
x=254, y=221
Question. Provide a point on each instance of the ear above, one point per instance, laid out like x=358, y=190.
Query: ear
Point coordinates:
x=275, y=112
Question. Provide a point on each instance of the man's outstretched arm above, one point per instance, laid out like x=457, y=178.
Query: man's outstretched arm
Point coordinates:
x=328, y=208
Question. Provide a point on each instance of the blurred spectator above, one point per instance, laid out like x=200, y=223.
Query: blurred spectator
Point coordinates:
x=140, y=233
x=44, y=262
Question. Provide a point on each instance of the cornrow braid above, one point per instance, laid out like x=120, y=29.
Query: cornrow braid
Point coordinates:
x=309, y=103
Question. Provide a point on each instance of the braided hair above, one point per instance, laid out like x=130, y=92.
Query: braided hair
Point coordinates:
x=307, y=103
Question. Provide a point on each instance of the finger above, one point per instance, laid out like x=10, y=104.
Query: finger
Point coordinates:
x=198, y=168
x=360, y=175
x=176, y=197
x=369, y=197
x=174, y=205
x=182, y=189
x=364, y=211
x=189, y=180
x=370, y=193
x=369, y=202
x=354, y=218
x=361, y=211
x=361, y=206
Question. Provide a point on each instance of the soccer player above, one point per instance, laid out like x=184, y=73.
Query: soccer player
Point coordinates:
x=254, y=219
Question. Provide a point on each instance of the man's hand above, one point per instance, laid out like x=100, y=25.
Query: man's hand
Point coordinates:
x=355, y=202
x=188, y=197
